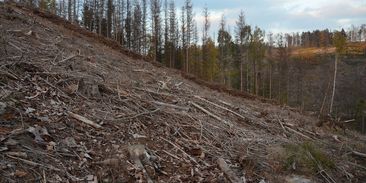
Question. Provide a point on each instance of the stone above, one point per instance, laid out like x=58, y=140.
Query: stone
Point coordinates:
x=2, y=108
x=297, y=179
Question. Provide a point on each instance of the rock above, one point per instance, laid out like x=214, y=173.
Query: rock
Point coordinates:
x=44, y=118
x=29, y=110
x=2, y=108
x=70, y=142
x=40, y=134
x=51, y=146
x=3, y=149
x=297, y=179
x=91, y=179
x=20, y=173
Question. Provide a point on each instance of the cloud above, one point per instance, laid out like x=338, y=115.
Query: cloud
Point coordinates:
x=332, y=10
x=284, y=15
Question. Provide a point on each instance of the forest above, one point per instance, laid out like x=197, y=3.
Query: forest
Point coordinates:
x=297, y=69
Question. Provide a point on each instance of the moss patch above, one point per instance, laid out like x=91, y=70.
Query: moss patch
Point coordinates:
x=306, y=157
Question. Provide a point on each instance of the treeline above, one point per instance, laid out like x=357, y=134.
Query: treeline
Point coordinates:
x=324, y=38
x=247, y=59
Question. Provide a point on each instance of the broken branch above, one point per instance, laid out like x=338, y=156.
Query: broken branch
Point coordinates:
x=34, y=163
x=362, y=155
x=171, y=143
x=84, y=120
x=68, y=58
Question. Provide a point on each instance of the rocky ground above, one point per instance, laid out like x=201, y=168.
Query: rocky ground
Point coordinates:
x=73, y=109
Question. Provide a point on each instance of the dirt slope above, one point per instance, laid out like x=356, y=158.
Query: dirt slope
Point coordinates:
x=73, y=109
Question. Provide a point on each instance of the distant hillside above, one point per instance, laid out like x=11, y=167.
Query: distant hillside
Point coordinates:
x=357, y=49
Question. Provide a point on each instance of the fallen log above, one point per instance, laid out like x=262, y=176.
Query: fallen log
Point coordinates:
x=210, y=114
x=221, y=107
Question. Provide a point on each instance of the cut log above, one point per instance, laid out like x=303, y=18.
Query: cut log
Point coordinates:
x=210, y=114
x=229, y=174
x=84, y=120
x=112, y=162
x=171, y=106
x=221, y=107
x=154, y=92
x=298, y=133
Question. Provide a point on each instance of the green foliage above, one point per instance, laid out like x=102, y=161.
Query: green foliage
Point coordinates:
x=211, y=68
x=47, y=5
x=88, y=17
x=307, y=157
x=43, y=5
x=257, y=50
x=339, y=41
x=52, y=6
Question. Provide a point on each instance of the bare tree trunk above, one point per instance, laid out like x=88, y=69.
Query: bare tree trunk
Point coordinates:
x=262, y=81
x=255, y=78
x=363, y=124
x=302, y=95
x=241, y=76
x=334, y=83
x=170, y=55
x=270, y=81
x=77, y=10
x=288, y=86
x=279, y=89
x=324, y=99
x=101, y=9
x=247, y=80
x=69, y=10
x=74, y=11
x=187, y=59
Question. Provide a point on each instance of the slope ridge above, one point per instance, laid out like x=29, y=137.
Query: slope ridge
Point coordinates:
x=75, y=109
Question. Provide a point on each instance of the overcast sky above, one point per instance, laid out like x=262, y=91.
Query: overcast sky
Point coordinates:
x=284, y=15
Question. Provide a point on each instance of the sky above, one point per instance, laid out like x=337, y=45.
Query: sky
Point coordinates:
x=283, y=15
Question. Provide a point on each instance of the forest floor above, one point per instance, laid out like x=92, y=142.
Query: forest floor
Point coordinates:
x=75, y=110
